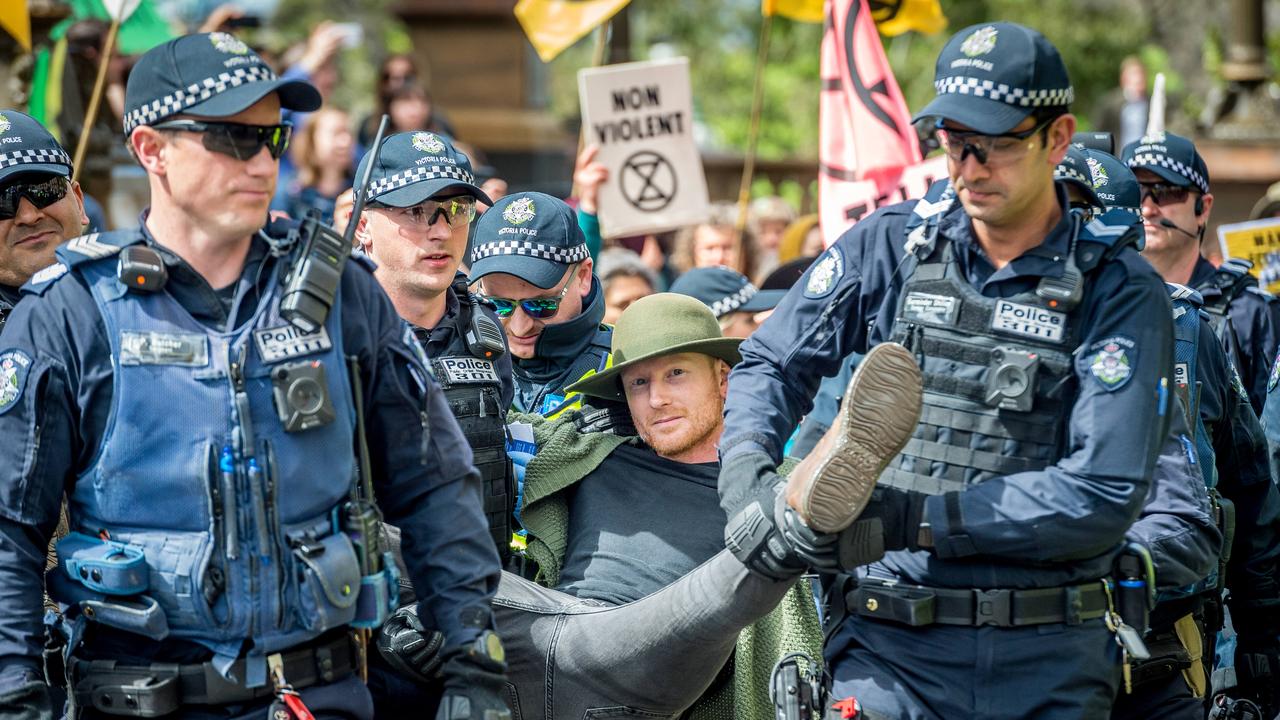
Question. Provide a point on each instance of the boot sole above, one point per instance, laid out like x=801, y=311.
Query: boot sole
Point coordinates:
x=880, y=411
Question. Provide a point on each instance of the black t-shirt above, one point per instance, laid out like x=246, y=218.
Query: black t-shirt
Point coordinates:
x=638, y=523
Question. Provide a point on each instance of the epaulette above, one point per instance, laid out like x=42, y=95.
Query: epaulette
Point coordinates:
x=1114, y=230
x=1184, y=293
x=78, y=251
x=364, y=261
x=926, y=214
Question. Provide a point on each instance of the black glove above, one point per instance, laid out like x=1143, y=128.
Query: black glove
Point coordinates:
x=745, y=477
x=475, y=681
x=409, y=647
x=1258, y=677
x=900, y=512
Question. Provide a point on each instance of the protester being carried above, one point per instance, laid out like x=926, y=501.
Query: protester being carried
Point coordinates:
x=637, y=606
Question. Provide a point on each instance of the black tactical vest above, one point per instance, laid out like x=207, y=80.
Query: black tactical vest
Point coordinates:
x=999, y=377
x=474, y=393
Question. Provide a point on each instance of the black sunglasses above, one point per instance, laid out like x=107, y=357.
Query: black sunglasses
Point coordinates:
x=958, y=144
x=1162, y=193
x=236, y=140
x=42, y=194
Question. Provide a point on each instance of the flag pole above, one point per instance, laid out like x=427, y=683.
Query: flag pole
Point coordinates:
x=597, y=59
x=753, y=135
x=91, y=114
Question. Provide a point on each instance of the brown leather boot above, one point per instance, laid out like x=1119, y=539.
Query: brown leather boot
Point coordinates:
x=880, y=410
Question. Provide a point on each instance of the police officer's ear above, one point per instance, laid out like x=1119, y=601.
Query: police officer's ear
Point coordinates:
x=1058, y=137
x=1206, y=204
x=584, y=277
x=78, y=194
x=363, y=239
x=147, y=145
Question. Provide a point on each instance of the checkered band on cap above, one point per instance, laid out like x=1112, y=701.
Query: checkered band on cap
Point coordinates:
x=529, y=248
x=30, y=157
x=734, y=301
x=1148, y=159
x=977, y=87
x=176, y=102
x=418, y=174
x=1066, y=172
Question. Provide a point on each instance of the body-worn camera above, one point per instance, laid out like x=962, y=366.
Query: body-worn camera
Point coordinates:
x=302, y=395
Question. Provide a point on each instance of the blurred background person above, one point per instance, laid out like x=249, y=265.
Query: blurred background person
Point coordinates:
x=768, y=218
x=1123, y=111
x=625, y=278
x=322, y=155
x=396, y=71
x=802, y=238
x=711, y=243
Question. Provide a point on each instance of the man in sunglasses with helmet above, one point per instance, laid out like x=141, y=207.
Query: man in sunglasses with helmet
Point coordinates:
x=1045, y=348
x=1176, y=203
x=222, y=541
x=40, y=206
x=530, y=260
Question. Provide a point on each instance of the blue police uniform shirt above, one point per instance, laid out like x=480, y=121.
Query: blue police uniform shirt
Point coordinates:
x=56, y=423
x=1259, y=337
x=1244, y=478
x=1030, y=529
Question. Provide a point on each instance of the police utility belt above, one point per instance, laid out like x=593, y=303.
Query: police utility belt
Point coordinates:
x=157, y=689
x=917, y=605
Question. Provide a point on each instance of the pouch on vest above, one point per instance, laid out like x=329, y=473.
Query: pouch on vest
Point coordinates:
x=105, y=566
x=379, y=594
x=328, y=581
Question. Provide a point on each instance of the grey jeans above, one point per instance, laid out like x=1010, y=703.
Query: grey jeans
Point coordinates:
x=573, y=659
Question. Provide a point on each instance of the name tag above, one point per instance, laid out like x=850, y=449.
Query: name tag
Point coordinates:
x=1181, y=374
x=465, y=371
x=155, y=348
x=933, y=309
x=287, y=342
x=1029, y=320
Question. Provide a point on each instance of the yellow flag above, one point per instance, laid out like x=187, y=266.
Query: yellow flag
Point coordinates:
x=554, y=25
x=898, y=16
x=14, y=19
x=800, y=10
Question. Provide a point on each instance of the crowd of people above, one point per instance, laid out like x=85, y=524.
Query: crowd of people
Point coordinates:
x=345, y=429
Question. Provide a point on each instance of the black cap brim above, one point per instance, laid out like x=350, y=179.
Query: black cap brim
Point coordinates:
x=36, y=169
x=294, y=95
x=982, y=115
x=414, y=193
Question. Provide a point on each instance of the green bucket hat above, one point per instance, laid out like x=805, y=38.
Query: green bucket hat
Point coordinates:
x=654, y=326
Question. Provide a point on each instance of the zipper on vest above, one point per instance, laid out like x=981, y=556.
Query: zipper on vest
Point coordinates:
x=245, y=440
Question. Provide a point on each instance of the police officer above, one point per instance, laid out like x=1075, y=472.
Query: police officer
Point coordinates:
x=1176, y=203
x=1233, y=455
x=421, y=203
x=738, y=305
x=221, y=544
x=531, y=261
x=1037, y=335
x=422, y=199
x=1174, y=680
x=40, y=206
